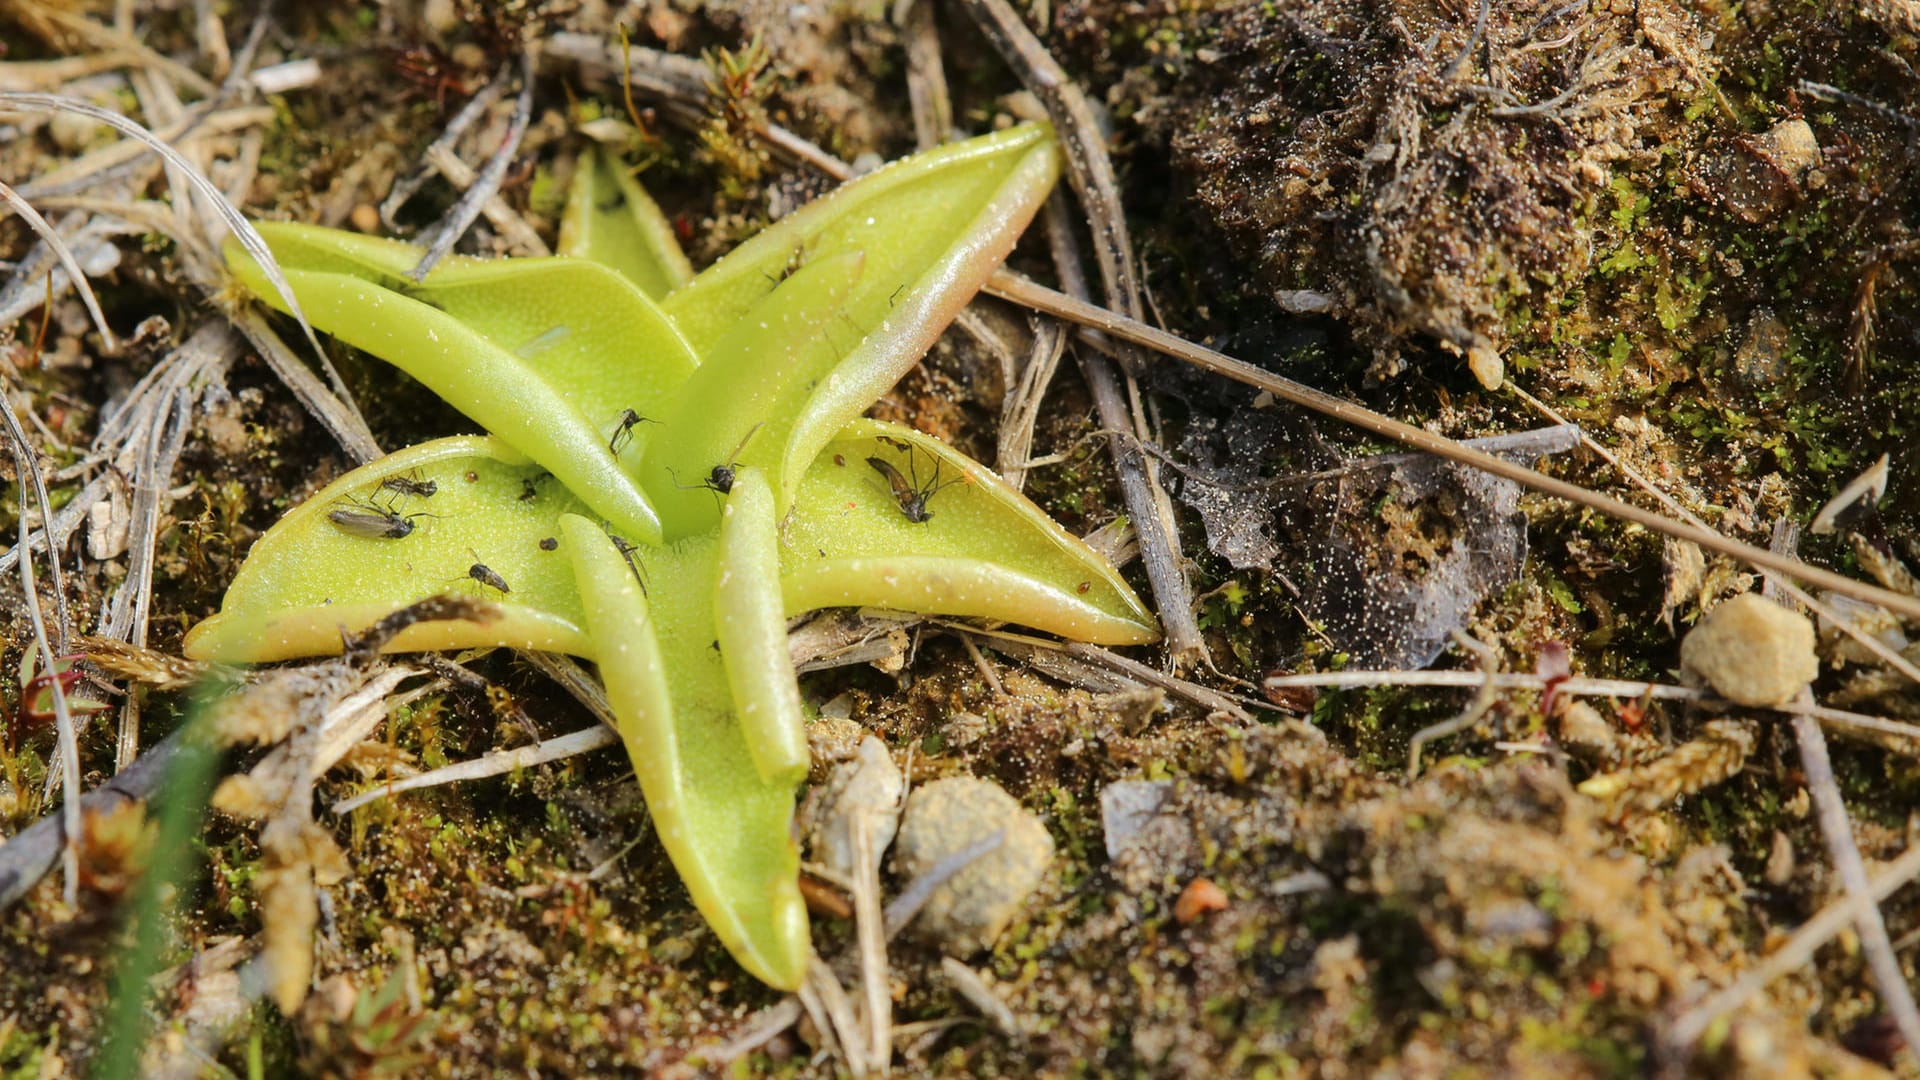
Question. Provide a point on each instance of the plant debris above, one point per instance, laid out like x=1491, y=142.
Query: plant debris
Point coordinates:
x=1684, y=227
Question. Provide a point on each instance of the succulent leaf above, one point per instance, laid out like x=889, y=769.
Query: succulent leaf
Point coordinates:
x=751, y=626
x=740, y=406
x=756, y=491
x=546, y=354
x=931, y=229
x=983, y=550
x=308, y=580
x=726, y=827
x=611, y=220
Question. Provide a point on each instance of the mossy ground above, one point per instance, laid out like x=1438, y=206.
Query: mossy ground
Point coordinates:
x=1644, y=262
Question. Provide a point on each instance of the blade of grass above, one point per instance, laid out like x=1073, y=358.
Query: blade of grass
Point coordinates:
x=179, y=808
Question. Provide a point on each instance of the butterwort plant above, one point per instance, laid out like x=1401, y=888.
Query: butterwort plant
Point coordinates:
x=677, y=466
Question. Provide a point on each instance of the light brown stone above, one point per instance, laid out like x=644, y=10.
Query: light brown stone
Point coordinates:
x=1752, y=651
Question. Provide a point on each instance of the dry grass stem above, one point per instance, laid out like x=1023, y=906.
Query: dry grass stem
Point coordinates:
x=51, y=237
x=970, y=986
x=1896, y=996
x=407, y=186
x=476, y=198
x=494, y=764
x=1690, y=1026
x=908, y=901
x=1800, y=596
x=1090, y=171
x=1013, y=287
x=870, y=928
x=926, y=75
x=28, y=470
x=229, y=215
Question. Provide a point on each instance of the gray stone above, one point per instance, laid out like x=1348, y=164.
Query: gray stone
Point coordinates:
x=1127, y=807
x=1752, y=651
x=868, y=786
x=966, y=913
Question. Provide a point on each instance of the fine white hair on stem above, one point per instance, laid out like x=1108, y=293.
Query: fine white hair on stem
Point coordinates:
x=61, y=252
x=229, y=215
x=29, y=473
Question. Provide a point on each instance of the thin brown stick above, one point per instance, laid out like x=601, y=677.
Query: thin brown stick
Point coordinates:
x=28, y=472
x=558, y=748
x=871, y=929
x=1815, y=932
x=1831, y=813
x=1799, y=596
x=1011, y=286
x=926, y=75
x=1090, y=172
x=336, y=414
x=1862, y=727
x=61, y=252
x=405, y=187
x=1483, y=700
x=474, y=200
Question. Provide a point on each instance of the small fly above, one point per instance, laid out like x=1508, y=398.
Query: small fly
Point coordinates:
x=720, y=479
x=796, y=259
x=372, y=522
x=627, y=548
x=912, y=495
x=411, y=484
x=487, y=576
x=623, y=434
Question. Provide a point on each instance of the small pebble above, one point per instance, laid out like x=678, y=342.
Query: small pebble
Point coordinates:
x=868, y=785
x=1752, y=651
x=1791, y=147
x=1127, y=807
x=365, y=218
x=970, y=910
x=72, y=132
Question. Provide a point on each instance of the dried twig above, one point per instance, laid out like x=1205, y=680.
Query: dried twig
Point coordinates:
x=494, y=764
x=123, y=43
x=870, y=927
x=474, y=199
x=476, y=107
x=1831, y=812
x=834, y=1016
x=27, y=855
x=908, y=902
x=760, y=1029
x=968, y=984
x=60, y=251
x=1691, y=1025
x=29, y=472
x=228, y=214
x=1875, y=730
x=1090, y=171
x=336, y=414
x=148, y=462
x=1800, y=596
x=1021, y=290
x=926, y=76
